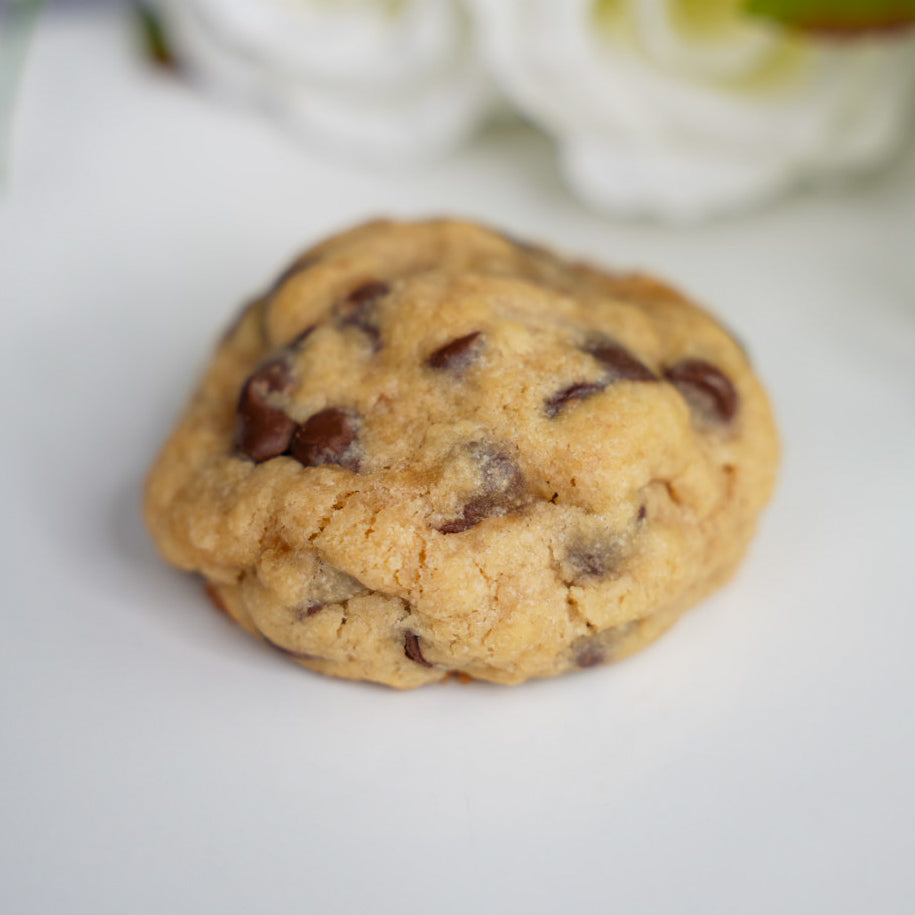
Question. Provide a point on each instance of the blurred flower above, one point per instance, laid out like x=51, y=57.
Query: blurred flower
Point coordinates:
x=683, y=108
x=384, y=80
x=17, y=24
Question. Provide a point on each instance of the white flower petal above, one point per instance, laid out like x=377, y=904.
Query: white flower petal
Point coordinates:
x=702, y=40
x=657, y=115
x=375, y=80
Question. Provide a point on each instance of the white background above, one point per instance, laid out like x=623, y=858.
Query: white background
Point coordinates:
x=154, y=759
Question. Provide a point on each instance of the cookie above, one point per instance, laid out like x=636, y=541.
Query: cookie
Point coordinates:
x=431, y=449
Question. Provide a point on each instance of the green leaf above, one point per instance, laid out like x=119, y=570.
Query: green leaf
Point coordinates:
x=848, y=17
x=157, y=46
x=18, y=22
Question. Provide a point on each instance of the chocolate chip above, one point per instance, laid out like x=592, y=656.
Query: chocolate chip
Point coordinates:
x=621, y=364
x=642, y=513
x=498, y=471
x=590, y=656
x=326, y=438
x=707, y=390
x=264, y=431
x=592, y=650
x=502, y=483
x=274, y=376
x=368, y=293
x=593, y=558
x=577, y=391
x=475, y=510
x=456, y=526
x=302, y=613
x=357, y=309
x=412, y=650
x=456, y=355
x=590, y=562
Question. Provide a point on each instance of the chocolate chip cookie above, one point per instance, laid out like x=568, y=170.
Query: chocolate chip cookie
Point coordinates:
x=431, y=449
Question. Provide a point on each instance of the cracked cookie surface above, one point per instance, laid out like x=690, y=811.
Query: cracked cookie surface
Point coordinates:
x=430, y=449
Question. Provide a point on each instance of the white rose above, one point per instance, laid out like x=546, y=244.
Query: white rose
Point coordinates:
x=683, y=108
x=387, y=80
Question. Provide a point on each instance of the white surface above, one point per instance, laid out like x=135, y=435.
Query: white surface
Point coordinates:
x=154, y=759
